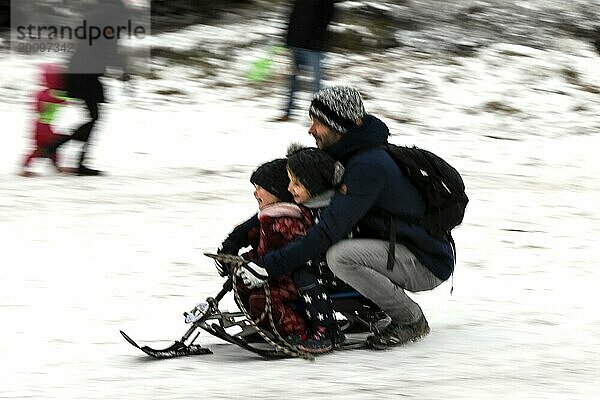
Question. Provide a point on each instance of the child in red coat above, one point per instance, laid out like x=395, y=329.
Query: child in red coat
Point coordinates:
x=279, y=222
x=47, y=102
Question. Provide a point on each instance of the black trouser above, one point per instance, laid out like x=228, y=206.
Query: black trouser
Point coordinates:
x=88, y=88
x=83, y=133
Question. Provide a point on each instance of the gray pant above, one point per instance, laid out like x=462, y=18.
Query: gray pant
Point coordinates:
x=362, y=263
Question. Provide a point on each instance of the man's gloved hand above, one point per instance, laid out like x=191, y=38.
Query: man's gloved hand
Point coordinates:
x=253, y=275
x=226, y=263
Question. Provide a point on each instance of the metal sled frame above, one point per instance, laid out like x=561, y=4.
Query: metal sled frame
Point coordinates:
x=234, y=327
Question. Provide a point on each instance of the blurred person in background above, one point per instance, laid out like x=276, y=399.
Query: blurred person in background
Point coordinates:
x=47, y=102
x=88, y=63
x=306, y=39
x=4, y=15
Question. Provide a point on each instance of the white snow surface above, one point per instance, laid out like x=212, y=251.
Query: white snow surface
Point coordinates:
x=84, y=257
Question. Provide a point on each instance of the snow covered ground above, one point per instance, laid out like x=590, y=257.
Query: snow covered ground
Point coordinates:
x=84, y=257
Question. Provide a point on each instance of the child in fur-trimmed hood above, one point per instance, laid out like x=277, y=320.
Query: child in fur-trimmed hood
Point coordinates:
x=275, y=225
x=278, y=222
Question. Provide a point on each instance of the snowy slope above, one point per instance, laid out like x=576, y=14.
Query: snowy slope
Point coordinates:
x=85, y=257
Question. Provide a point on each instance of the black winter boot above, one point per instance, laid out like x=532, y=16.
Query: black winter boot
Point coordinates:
x=397, y=334
x=318, y=343
x=83, y=170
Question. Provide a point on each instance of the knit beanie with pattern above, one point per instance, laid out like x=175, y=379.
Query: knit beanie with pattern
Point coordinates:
x=337, y=107
x=272, y=176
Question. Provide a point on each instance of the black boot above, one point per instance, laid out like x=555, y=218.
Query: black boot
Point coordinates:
x=336, y=335
x=83, y=170
x=399, y=333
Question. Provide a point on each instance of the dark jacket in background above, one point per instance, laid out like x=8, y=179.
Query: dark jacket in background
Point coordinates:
x=103, y=52
x=307, y=27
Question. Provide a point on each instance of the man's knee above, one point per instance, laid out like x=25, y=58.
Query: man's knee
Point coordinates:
x=339, y=257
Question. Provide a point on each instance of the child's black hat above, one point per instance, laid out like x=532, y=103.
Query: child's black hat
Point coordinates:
x=272, y=176
x=314, y=168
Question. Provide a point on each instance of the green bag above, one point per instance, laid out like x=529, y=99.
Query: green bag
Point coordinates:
x=261, y=69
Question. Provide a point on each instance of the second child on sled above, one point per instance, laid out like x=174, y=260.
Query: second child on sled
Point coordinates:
x=277, y=223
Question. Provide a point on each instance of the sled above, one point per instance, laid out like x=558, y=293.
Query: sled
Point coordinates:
x=358, y=317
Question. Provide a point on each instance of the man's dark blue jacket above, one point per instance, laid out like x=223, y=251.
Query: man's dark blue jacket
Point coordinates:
x=374, y=182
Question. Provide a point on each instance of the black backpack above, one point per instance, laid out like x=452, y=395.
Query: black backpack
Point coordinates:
x=440, y=185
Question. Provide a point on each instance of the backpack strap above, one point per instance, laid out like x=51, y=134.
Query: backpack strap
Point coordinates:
x=392, y=243
x=451, y=240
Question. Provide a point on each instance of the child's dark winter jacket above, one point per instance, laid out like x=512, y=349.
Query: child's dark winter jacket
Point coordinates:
x=318, y=266
x=307, y=27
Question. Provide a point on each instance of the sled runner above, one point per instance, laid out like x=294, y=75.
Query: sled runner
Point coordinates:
x=360, y=316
